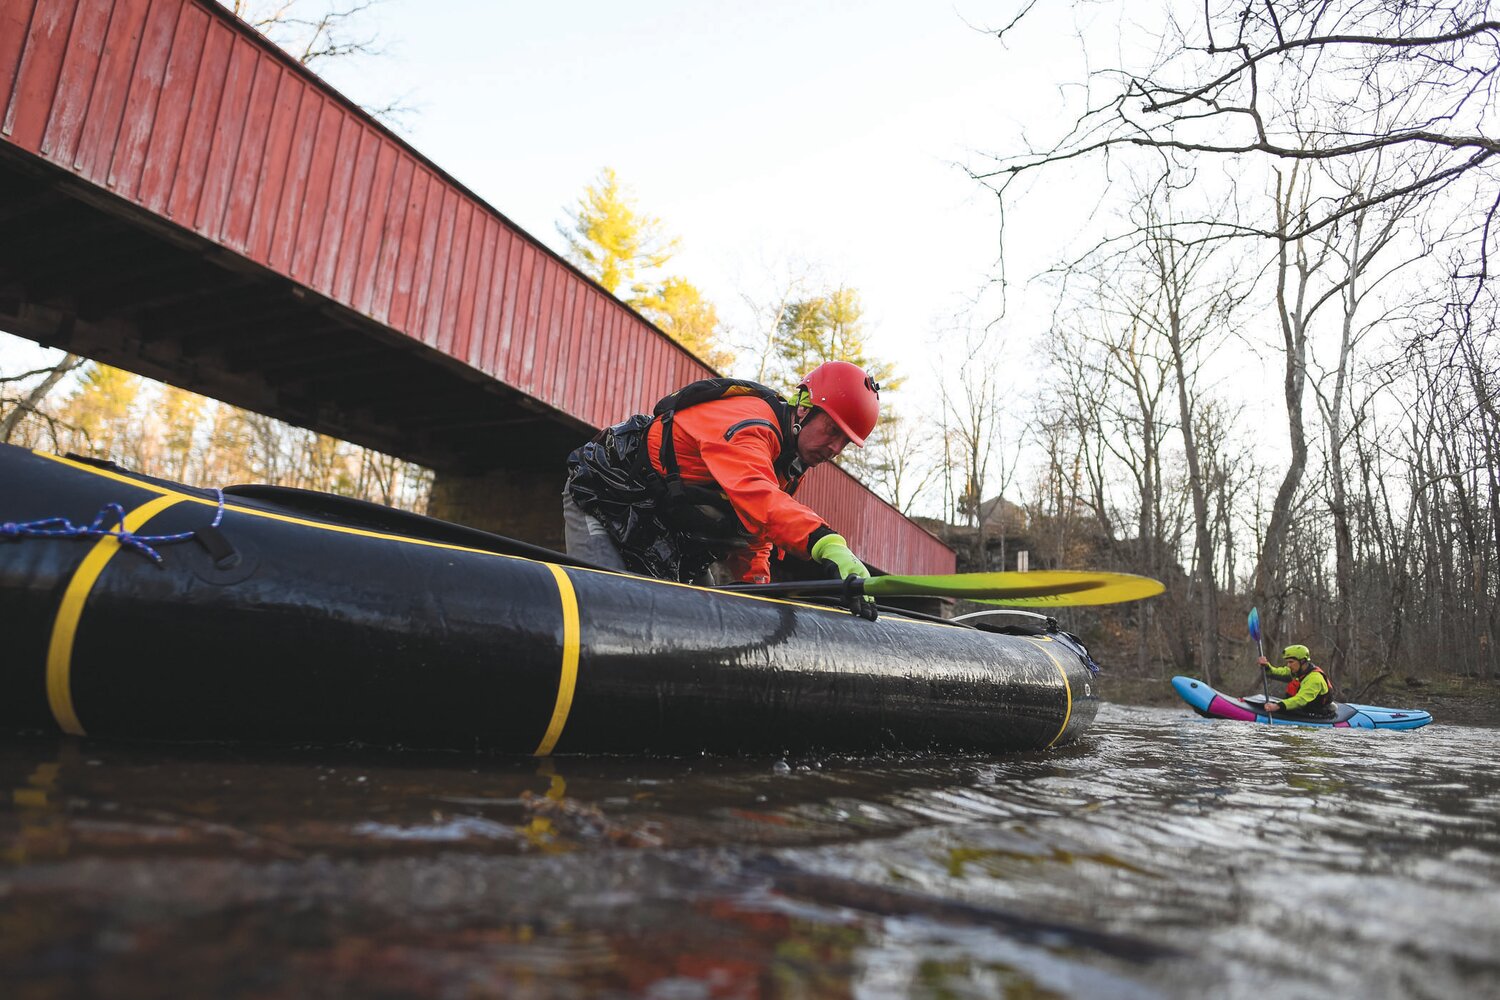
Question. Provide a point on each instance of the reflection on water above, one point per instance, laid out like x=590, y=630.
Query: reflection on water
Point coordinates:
x=1164, y=855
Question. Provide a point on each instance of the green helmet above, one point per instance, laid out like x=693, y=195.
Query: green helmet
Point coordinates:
x=1297, y=652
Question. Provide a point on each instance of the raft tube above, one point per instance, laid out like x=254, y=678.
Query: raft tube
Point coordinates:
x=1213, y=705
x=331, y=621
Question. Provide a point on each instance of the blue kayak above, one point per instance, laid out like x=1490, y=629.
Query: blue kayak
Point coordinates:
x=1213, y=704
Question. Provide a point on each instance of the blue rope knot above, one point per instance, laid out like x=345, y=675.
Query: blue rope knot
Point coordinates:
x=109, y=521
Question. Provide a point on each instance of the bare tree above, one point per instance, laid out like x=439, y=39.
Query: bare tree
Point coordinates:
x=1245, y=78
x=29, y=404
x=973, y=404
x=897, y=461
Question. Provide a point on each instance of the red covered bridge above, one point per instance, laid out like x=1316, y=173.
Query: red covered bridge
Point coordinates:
x=181, y=199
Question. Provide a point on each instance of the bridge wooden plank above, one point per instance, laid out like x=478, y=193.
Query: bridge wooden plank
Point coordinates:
x=296, y=179
x=35, y=83
x=228, y=133
x=506, y=258
x=543, y=276
x=585, y=389
x=489, y=327
x=564, y=297
x=198, y=131
x=515, y=350
x=655, y=374
x=450, y=312
x=484, y=290
x=626, y=358
x=437, y=230
x=393, y=219
x=75, y=82
x=567, y=346
x=424, y=246
x=15, y=30
x=357, y=220
x=138, y=120
x=605, y=402
x=471, y=347
x=317, y=192
x=341, y=191
x=469, y=288
x=270, y=174
x=570, y=397
x=372, y=240
x=517, y=287
x=549, y=331
x=413, y=190
x=250, y=150
x=426, y=324
x=392, y=222
x=172, y=107
x=111, y=84
x=640, y=363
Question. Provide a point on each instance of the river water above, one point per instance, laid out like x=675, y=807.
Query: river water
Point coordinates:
x=1163, y=855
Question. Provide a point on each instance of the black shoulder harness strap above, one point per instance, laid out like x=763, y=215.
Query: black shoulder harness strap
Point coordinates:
x=707, y=390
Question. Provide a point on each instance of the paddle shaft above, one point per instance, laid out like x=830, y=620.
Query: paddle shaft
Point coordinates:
x=810, y=588
x=888, y=586
x=1045, y=588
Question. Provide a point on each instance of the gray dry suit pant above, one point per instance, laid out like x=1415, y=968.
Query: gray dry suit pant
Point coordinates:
x=586, y=537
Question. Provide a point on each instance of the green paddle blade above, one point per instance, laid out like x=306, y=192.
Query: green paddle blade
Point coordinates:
x=1049, y=588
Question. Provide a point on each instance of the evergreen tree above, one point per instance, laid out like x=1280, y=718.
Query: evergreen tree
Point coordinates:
x=827, y=327
x=612, y=242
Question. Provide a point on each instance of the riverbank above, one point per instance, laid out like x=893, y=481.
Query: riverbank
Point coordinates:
x=1463, y=701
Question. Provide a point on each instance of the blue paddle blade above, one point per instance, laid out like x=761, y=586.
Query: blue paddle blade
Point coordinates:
x=1255, y=624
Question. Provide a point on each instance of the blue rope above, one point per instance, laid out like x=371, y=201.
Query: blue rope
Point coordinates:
x=110, y=521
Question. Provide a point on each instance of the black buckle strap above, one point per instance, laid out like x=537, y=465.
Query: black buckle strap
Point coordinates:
x=855, y=600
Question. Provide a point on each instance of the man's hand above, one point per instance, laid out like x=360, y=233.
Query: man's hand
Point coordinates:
x=1273, y=706
x=1265, y=663
x=832, y=549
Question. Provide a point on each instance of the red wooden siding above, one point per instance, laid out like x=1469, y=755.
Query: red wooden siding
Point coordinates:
x=180, y=109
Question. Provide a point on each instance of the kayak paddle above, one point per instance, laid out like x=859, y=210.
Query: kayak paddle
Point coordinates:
x=1052, y=588
x=1255, y=634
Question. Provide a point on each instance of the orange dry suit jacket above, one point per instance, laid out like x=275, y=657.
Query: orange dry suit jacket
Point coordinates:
x=731, y=445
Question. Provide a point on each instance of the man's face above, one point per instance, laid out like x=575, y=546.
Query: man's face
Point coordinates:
x=820, y=440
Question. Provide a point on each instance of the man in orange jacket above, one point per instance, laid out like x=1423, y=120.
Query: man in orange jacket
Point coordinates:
x=710, y=476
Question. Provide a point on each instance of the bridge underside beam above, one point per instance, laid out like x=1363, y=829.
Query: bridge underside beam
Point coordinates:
x=92, y=274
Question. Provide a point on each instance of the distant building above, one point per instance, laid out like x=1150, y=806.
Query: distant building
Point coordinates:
x=998, y=513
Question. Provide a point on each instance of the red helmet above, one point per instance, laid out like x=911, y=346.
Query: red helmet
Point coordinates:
x=847, y=394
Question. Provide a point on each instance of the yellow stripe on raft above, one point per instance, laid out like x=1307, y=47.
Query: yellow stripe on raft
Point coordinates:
x=1041, y=643
x=65, y=626
x=567, y=682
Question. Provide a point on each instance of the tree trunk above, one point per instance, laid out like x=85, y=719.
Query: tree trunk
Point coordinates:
x=12, y=420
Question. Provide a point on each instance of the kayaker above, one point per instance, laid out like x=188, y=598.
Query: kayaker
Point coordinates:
x=1307, y=689
x=719, y=485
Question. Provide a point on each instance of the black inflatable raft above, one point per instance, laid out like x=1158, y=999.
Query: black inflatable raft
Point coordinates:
x=287, y=617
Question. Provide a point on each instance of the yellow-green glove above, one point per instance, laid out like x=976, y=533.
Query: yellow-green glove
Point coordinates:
x=833, y=550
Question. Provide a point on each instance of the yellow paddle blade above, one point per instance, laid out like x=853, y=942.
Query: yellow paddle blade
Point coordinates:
x=1049, y=588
